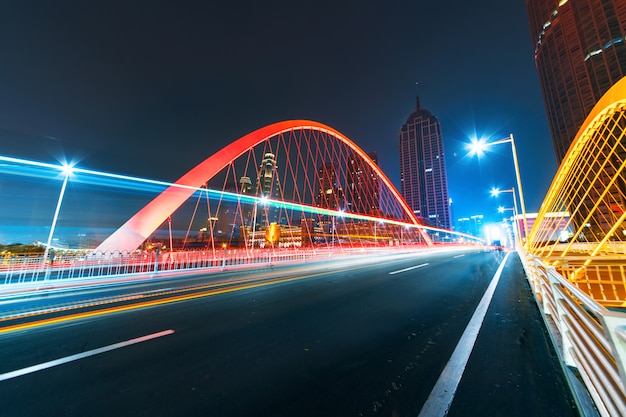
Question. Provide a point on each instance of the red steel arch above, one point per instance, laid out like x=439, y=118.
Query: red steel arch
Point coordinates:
x=138, y=228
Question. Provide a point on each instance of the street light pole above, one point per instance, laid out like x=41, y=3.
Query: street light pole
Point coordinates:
x=68, y=171
x=519, y=185
x=261, y=200
x=256, y=204
x=169, y=225
x=479, y=146
x=495, y=192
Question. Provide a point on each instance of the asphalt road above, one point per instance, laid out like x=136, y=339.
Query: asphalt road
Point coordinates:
x=364, y=340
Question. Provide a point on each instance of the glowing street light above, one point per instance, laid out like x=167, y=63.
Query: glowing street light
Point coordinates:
x=494, y=193
x=478, y=147
x=67, y=171
x=502, y=209
x=334, y=234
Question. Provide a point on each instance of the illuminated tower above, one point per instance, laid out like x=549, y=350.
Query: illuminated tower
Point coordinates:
x=265, y=181
x=580, y=52
x=423, y=180
x=268, y=186
x=245, y=185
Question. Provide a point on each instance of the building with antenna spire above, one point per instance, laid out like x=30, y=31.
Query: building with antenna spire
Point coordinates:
x=423, y=178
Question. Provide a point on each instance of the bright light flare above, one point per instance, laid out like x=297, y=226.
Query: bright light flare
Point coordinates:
x=67, y=168
x=477, y=147
x=495, y=192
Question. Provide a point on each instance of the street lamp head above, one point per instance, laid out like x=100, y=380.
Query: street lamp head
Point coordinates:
x=500, y=209
x=68, y=168
x=477, y=147
x=495, y=192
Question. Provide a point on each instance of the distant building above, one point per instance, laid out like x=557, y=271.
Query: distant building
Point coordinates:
x=580, y=52
x=472, y=225
x=330, y=194
x=423, y=179
x=363, y=192
x=227, y=217
x=268, y=186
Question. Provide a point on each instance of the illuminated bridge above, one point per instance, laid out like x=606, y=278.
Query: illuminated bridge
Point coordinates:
x=311, y=288
x=295, y=183
x=295, y=187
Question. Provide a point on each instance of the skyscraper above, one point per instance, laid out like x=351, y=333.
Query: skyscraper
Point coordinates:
x=423, y=179
x=580, y=52
x=268, y=186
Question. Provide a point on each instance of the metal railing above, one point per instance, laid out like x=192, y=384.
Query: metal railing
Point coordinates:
x=33, y=269
x=589, y=337
x=575, y=254
x=25, y=269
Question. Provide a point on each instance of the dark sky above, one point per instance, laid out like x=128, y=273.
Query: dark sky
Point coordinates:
x=152, y=88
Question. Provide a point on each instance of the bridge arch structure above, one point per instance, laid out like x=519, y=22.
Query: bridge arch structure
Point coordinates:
x=581, y=225
x=307, y=178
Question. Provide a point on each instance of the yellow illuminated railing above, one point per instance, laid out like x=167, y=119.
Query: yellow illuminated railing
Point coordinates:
x=580, y=227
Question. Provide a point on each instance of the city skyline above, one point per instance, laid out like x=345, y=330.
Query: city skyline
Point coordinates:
x=172, y=85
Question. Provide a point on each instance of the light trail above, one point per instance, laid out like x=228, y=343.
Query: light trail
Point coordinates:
x=153, y=303
x=240, y=285
x=226, y=195
x=82, y=355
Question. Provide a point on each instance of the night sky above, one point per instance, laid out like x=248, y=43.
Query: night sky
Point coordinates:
x=152, y=88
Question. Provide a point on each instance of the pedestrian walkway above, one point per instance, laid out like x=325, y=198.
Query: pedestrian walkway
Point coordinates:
x=514, y=369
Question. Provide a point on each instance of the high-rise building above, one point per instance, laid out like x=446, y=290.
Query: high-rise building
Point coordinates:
x=268, y=186
x=329, y=193
x=423, y=179
x=580, y=52
x=471, y=225
x=363, y=193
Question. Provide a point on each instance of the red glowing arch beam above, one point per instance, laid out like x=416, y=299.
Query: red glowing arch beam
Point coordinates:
x=137, y=229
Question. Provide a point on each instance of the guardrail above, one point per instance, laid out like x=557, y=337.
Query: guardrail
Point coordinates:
x=589, y=337
x=68, y=266
x=28, y=269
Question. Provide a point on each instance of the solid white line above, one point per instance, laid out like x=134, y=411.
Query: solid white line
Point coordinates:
x=440, y=398
x=458, y=256
x=82, y=355
x=407, y=269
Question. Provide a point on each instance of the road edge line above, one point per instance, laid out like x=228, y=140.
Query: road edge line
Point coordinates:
x=442, y=394
x=82, y=355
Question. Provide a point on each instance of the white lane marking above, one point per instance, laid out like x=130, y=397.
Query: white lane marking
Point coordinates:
x=82, y=355
x=440, y=398
x=458, y=256
x=407, y=269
